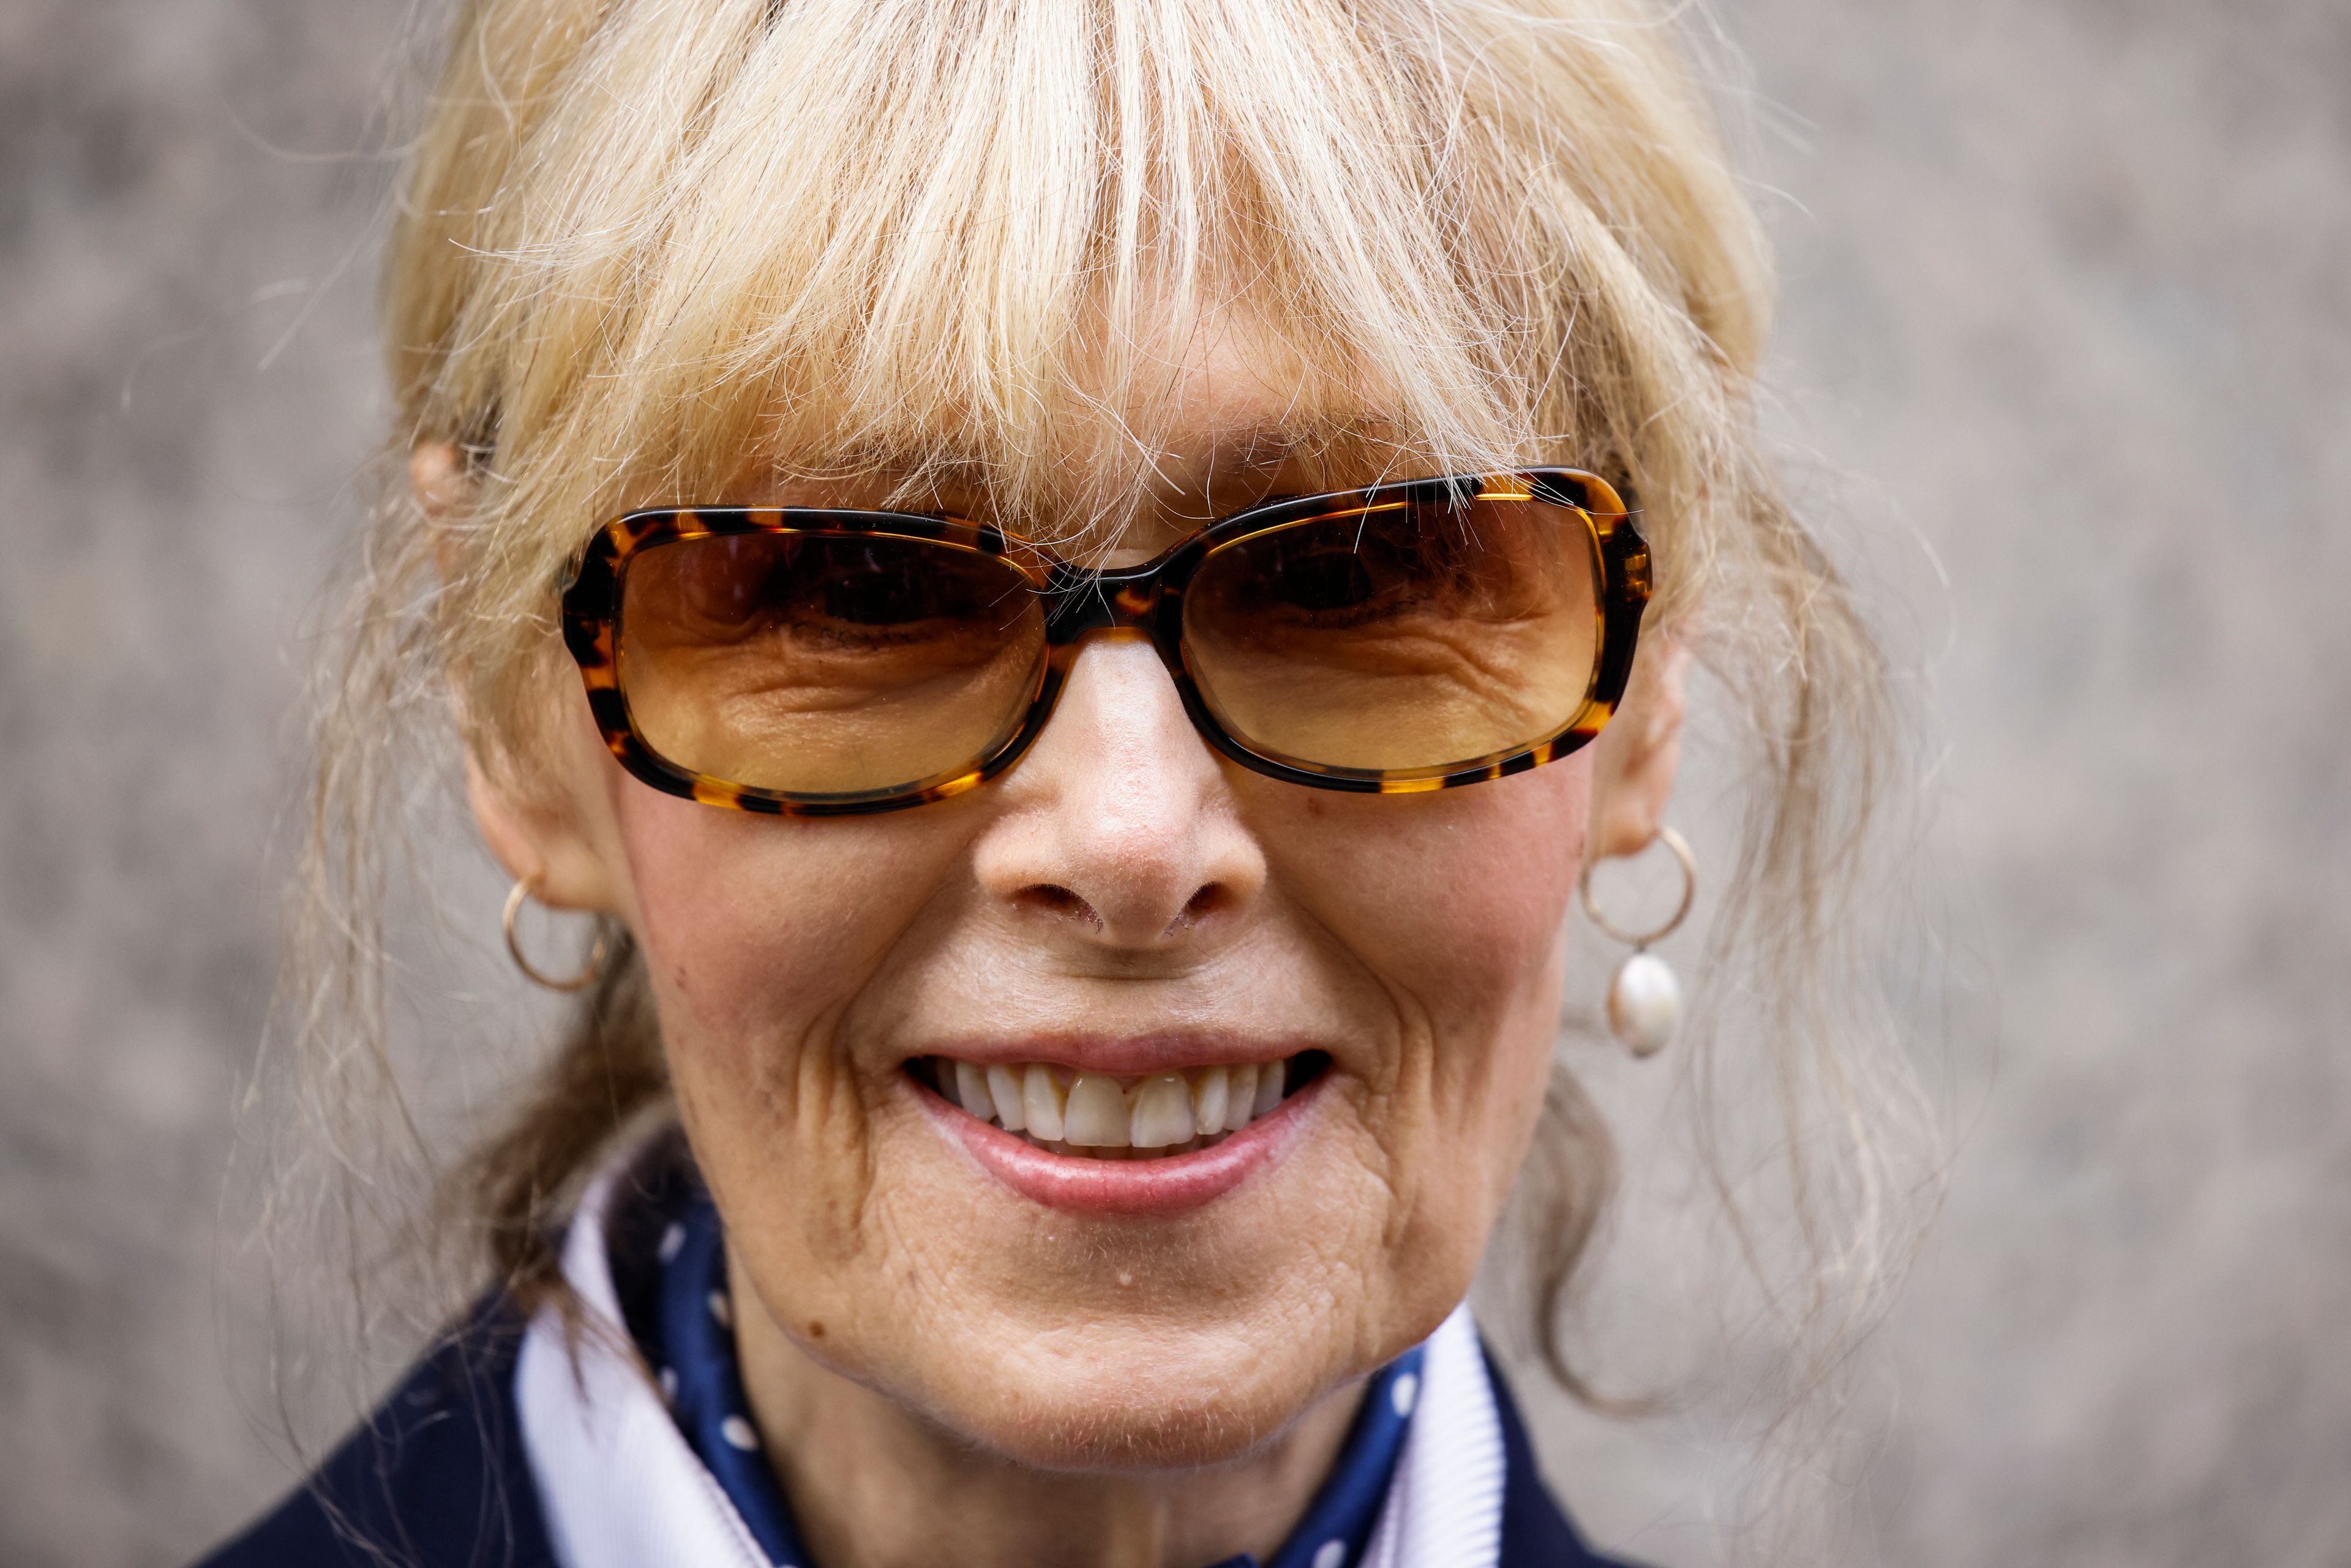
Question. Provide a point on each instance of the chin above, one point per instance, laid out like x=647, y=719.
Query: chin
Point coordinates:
x=1139, y=1401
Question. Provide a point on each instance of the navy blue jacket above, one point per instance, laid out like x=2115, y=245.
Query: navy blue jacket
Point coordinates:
x=436, y=1477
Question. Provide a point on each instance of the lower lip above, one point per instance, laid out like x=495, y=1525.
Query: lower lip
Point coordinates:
x=1169, y=1184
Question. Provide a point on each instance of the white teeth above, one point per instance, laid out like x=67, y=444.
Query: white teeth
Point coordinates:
x=1163, y=1112
x=971, y=1091
x=1095, y=1114
x=1040, y=1101
x=1241, y=1097
x=1210, y=1093
x=1268, y=1089
x=1004, y=1090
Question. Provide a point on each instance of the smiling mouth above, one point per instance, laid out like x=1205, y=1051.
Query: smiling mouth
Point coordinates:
x=1103, y=1116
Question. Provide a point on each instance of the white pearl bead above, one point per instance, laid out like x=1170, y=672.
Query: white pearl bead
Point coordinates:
x=1645, y=1004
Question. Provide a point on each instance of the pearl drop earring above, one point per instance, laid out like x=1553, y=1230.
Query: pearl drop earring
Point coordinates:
x=1644, y=1000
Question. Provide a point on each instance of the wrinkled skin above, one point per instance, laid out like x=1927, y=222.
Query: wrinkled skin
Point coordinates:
x=995, y=1380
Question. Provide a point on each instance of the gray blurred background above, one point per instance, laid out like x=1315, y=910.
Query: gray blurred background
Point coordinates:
x=2067, y=342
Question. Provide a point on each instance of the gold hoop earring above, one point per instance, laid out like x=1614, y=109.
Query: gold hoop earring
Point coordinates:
x=1644, y=1000
x=523, y=888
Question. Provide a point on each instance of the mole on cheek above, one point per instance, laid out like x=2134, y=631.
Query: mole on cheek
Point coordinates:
x=815, y=1329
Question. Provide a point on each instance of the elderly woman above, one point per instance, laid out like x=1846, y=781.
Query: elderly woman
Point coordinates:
x=1076, y=584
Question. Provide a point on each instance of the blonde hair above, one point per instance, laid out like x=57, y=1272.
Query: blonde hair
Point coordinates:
x=644, y=242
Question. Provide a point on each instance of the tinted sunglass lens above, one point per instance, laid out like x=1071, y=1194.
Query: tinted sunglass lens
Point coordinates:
x=826, y=664
x=1402, y=636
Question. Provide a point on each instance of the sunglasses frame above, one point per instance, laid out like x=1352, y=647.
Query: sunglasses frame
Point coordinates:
x=1145, y=602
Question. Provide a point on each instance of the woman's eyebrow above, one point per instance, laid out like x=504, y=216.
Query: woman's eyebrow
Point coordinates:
x=1222, y=456
x=900, y=475
x=1253, y=450
x=1247, y=451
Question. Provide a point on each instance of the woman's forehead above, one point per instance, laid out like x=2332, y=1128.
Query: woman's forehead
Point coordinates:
x=1231, y=419
x=1198, y=461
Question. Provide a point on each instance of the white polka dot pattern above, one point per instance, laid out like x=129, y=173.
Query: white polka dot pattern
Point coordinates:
x=619, y=1486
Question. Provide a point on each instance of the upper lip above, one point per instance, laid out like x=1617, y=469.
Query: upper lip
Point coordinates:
x=1121, y=1056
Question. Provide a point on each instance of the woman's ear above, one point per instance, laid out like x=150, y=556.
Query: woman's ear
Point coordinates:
x=436, y=474
x=538, y=836
x=1637, y=757
x=540, y=841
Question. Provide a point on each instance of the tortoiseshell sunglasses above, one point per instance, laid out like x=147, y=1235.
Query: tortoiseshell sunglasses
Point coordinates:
x=1407, y=637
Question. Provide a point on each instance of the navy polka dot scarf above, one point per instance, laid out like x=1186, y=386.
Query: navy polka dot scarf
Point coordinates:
x=688, y=1336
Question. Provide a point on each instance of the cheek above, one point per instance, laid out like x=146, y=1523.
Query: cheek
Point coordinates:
x=1455, y=901
x=759, y=932
x=755, y=925
x=1455, y=906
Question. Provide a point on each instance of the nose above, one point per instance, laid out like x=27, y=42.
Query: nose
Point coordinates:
x=1119, y=830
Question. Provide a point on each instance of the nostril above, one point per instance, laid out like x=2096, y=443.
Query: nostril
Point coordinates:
x=1067, y=904
x=1208, y=901
x=1047, y=898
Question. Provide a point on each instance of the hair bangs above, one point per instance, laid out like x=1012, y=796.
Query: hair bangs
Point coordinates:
x=852, y=238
